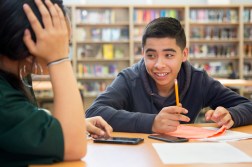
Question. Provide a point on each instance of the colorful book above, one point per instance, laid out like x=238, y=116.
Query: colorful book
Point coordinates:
x=108, y=51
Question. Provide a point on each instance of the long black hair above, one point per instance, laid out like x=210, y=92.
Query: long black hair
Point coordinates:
x=13, y=23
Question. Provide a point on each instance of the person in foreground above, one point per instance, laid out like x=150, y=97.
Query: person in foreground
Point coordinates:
x=34, y=38
x=142, y=97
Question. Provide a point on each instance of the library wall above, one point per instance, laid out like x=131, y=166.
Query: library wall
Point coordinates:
x=214, y=43
x=107, y=39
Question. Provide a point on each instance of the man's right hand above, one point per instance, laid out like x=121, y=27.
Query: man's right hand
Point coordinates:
x=168, y=119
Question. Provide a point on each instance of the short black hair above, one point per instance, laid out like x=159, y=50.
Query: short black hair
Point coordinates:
x=165, y=27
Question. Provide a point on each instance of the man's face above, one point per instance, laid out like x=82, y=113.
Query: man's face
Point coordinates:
x=163, y=58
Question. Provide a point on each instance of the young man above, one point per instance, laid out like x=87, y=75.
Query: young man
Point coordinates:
x=142, y=97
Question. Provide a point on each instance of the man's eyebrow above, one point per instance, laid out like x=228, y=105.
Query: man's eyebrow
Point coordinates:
x=150, y=50
x=169, y=49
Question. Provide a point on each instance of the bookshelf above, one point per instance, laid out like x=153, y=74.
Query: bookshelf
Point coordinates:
x=107, y=39
x=214, y=40
x=247, y=47
x=101, y=46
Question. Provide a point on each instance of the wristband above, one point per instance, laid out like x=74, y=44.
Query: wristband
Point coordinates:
x=58, y=61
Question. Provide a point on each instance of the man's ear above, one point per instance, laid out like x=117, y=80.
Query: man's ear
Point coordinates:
x=185, y=54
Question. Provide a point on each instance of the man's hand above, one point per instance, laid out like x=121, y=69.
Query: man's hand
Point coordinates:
x=98, y=127
x=221, y=116
x=168, y=119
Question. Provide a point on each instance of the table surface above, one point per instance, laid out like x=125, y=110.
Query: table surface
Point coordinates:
x=234, y=82
x=144, y=154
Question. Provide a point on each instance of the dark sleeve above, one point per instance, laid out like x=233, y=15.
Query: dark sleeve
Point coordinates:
x=239, y=107
x=116, y=107
x=27, y=134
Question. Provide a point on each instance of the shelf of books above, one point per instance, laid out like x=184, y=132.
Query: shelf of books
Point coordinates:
x=107, y=39
x=214, y=40
x=102, y=46
x=247, y=51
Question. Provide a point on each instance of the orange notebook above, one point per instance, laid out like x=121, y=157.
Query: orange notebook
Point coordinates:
x=192, y=132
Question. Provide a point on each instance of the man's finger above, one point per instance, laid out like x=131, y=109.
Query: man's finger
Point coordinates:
x=174, y=110
x=224, y=119
x=209, y=114
x=229, y=124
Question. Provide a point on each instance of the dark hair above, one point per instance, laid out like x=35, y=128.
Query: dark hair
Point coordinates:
x=165, y=27
x=13, y=22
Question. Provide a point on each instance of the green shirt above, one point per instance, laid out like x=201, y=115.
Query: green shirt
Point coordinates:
x=28, y=135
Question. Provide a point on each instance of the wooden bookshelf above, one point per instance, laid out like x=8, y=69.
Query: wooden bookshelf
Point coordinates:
x=214, y=39
x=246, y=37
x=107, y=39
x=102, y=46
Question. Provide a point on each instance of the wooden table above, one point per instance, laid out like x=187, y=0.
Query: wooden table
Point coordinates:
x=142, y=155
x=234, y=82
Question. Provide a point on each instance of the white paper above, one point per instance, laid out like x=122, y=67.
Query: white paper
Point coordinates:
x=190, y=153
x=229, y=135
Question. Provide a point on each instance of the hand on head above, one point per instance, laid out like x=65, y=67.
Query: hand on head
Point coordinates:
x=51, y=45
x=221, y=116
x=51, y=40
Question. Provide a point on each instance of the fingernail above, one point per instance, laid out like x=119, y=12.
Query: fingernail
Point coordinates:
x=26, y=32
x=102, y=133
x=25, y=6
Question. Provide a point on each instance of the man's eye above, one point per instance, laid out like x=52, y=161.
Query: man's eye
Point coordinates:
x=150, y=55
x=168, y=55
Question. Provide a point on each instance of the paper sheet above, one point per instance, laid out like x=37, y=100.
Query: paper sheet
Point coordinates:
x=192, y=132
x=191, y=153
x=229, y=135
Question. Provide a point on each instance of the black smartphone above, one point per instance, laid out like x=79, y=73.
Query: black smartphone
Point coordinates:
x=168, y=138
x=119, y=140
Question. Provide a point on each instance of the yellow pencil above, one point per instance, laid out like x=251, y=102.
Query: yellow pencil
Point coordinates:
x=176, y=92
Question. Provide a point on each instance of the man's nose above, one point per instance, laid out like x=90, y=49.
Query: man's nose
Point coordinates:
x=160, y=63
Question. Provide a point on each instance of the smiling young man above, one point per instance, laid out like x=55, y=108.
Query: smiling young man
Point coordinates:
x=142, y=97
